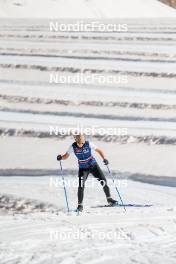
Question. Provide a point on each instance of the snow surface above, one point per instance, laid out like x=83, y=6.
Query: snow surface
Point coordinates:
x=84, y=9
x=34, y=231
x=33, y=213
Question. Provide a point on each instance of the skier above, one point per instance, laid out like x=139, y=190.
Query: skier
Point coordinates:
x=87, y=164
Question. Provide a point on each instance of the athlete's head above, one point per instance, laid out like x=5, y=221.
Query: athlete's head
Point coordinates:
x=80, y=139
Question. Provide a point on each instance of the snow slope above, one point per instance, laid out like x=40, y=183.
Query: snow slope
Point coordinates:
x=33, y=231
x=84, y=9
x=30, y=210
x=145, y=104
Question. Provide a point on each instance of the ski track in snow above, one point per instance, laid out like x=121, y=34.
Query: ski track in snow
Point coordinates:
x=153, y=40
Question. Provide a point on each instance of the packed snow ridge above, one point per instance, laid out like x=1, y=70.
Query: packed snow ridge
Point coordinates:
x=11, y=204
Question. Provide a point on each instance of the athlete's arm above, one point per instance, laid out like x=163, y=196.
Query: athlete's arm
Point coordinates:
x=102, y=155
x=100, y=152
x=65, y=156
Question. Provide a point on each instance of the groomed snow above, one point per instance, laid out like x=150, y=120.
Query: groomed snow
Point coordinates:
x=30, y=210
x=84, y=9
x=34, y=231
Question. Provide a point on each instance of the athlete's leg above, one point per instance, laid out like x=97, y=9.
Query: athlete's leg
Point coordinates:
x=99, y=175
x=83, y=174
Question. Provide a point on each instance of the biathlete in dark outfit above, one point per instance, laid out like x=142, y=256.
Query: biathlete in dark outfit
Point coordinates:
x=87, y=164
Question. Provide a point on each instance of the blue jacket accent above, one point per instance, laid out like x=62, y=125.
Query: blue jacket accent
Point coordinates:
x=84, y=155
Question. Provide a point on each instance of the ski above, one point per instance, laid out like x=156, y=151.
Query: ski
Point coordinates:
x=78, y=212
x=120, y=205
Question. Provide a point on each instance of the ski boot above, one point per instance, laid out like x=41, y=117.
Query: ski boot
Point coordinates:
x=112, y=202
x=79, y=208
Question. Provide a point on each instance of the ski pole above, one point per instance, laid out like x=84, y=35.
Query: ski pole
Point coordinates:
x=112, y=176
x=65, y=190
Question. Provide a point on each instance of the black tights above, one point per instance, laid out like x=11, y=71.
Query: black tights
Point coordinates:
x=98, y=174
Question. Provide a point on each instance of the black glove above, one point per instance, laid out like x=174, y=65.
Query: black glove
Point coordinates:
x=59, y=157
x=106, y=162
